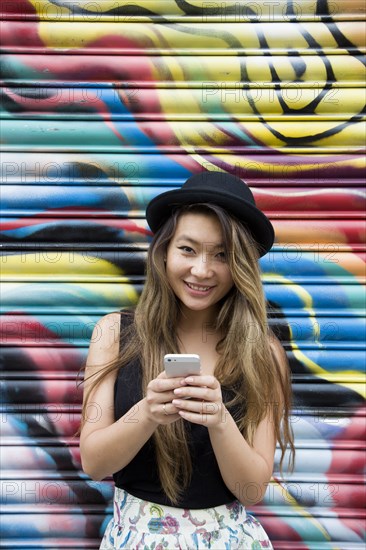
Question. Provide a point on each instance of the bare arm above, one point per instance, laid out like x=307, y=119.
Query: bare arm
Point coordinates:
x=245, y=470
x=107, y=445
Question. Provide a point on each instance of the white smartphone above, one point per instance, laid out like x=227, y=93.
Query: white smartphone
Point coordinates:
x=182, y=364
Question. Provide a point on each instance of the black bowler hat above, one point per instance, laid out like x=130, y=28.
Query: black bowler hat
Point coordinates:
x=225, y=190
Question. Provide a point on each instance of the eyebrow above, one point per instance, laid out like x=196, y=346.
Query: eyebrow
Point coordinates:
x=196, y=243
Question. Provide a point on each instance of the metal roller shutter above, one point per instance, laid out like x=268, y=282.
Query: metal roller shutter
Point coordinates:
x=106, y=104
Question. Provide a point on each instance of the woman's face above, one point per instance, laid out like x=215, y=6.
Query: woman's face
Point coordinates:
x=196, y=262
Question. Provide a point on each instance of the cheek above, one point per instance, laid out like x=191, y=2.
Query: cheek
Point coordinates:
x=172, y=267
x=174, y=262
x=226, y=275
x=229, y=286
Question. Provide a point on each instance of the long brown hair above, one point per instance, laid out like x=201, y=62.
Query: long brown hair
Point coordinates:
x=247, y=363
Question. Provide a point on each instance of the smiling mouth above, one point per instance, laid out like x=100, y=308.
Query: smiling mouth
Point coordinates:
x=198, y=287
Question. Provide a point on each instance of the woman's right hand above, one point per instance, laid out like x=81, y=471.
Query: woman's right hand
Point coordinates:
x=159, y=396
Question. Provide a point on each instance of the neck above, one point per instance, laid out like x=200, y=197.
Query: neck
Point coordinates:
x=196, y=321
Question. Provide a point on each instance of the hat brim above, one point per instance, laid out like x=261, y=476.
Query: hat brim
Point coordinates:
x=160, y=208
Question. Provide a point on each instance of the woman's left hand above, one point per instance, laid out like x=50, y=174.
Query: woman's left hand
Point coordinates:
x=204, y=405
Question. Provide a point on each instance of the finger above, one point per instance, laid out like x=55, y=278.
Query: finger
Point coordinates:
x=197, y=407
x=163, y=376
x=195, y=418
x=169, y=409
x=200, y=393
x=204, y=380
x=164, y=397
x=166, y=384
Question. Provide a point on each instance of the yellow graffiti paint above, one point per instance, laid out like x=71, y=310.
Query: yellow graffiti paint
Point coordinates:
x=57, y=264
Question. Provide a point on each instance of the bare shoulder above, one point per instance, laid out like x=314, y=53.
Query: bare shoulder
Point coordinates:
x=100, y=373
x=105, y=339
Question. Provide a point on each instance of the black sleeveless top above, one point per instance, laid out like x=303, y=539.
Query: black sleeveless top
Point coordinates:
x=140, y=477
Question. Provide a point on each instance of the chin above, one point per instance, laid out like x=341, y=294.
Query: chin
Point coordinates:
x=199, y=307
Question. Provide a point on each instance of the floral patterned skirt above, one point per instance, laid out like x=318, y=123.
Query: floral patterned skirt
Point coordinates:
x=141, y=525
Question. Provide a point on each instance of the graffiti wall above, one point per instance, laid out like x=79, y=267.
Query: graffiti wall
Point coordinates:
x=107, y=103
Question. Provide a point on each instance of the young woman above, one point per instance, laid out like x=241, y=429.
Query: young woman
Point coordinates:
x=188, y=454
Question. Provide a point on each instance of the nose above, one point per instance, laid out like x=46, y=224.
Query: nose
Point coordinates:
x=201, y=267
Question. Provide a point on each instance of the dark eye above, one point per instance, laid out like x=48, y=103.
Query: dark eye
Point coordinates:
x=221, y=256
x=186, y=249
